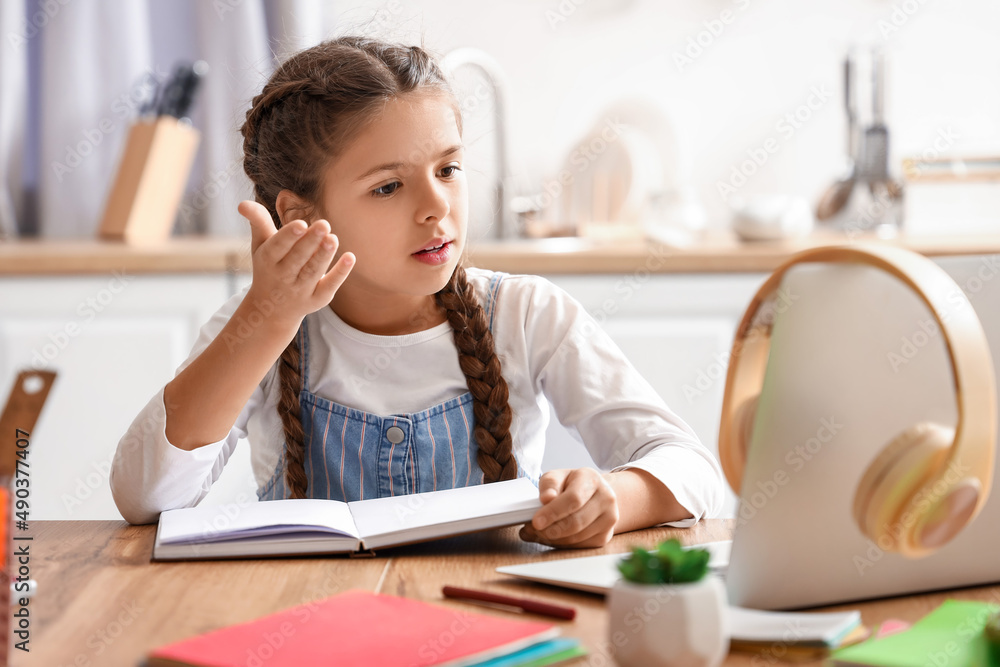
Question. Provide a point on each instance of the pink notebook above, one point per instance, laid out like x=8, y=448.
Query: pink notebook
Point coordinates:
x=357, y=628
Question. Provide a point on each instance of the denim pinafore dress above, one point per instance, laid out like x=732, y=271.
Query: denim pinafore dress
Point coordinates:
x=352, y=455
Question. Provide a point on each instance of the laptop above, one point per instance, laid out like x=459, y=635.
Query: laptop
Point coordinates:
x=854, y=361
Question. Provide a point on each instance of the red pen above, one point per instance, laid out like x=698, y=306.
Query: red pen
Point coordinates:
x=533, y=606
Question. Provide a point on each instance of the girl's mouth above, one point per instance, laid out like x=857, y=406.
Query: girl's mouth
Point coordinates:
x=435, y=256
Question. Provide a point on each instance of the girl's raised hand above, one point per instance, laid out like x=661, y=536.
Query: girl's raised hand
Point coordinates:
x=580, y=509
x=290, y=265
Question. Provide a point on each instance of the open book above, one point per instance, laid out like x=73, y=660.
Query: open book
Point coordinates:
x=309, y=526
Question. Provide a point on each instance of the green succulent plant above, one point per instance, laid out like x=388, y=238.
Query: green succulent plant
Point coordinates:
x=669, y=563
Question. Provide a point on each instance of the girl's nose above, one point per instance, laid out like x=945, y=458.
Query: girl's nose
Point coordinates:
x=433, y=205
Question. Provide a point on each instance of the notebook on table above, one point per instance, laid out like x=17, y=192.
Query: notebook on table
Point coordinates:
x=351, y=630
x=310, y=526
x=952, y=634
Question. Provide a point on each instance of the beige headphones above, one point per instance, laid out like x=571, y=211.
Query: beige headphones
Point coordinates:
x=906, y=500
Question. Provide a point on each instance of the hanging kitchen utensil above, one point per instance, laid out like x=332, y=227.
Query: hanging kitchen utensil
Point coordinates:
x=835, y=198
x=875, y=154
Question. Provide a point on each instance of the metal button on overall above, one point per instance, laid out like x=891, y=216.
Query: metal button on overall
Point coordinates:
x=395, y=435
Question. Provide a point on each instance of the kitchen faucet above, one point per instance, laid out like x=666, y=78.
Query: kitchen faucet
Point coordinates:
x=503, y=223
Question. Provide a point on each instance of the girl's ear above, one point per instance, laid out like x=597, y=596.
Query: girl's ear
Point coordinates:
x=291, y=207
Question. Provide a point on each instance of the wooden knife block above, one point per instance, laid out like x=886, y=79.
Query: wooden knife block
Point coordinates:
x=148, y=188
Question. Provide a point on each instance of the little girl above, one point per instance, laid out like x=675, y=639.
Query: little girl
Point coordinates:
x=364, y=361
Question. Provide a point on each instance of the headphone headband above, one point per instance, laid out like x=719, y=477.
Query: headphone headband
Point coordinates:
x=964, y=338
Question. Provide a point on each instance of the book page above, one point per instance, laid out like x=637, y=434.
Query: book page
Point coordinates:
x=293, y=516
x=257, y=547
x=439, y=513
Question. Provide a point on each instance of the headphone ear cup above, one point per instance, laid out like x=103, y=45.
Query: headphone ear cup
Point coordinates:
x=894, y=478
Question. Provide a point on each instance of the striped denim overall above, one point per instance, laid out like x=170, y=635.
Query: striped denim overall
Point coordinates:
x=352, y=455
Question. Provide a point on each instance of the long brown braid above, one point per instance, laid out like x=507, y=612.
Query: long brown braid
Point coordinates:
x=303, y=118
x=481, y=365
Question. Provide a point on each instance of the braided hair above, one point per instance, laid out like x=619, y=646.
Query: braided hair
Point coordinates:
x=304, y=117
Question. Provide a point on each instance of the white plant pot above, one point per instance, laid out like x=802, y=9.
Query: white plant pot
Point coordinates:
x=659, y=625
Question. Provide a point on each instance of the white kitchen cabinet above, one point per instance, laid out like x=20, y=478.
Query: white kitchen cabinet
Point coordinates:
x=114, y=340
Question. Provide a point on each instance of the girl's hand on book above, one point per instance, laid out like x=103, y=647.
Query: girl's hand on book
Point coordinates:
x=580, y=509
x=292, y=276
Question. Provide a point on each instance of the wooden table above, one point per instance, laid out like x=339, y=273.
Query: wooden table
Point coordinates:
x=101, y=601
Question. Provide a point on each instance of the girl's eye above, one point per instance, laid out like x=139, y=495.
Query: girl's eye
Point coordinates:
x=385, y=190
x=390, y=188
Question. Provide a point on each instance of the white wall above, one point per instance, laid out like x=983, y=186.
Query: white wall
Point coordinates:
x=567, y=60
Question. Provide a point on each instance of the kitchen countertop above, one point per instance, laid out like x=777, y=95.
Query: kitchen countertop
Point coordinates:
x=717, y=252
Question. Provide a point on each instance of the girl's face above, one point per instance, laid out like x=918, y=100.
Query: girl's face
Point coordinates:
x=397, y=189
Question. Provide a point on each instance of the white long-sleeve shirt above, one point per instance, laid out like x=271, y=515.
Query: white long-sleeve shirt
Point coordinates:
x=550, y=349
